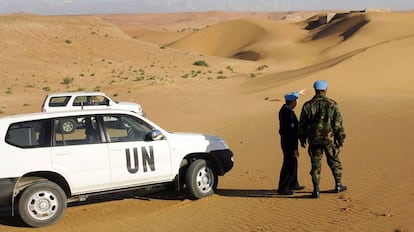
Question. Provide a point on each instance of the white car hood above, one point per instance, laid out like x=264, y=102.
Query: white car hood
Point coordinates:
x=202, y=142
x=128, y=104
x=131, y=106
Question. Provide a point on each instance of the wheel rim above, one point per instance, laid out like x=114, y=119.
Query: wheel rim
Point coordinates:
x=67, y=126
x=43, y=205
x=205, y=179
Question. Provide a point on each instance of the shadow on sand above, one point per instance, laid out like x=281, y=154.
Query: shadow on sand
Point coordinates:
x=302, y=194
x=11, y=221
x=260, y=193
x=170, y=195
x=7, y=220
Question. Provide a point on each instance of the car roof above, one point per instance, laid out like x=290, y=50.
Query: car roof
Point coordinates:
x=78, y=93
x=58, y=114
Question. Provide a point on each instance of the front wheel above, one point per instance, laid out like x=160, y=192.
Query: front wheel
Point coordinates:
x=42, y=204
x=201, y=180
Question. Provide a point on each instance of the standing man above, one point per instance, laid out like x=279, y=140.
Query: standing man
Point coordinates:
x=288, y=130
x=321, y=126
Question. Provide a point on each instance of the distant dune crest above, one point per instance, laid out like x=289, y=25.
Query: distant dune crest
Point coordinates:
x=341, y=24
x=254, y=39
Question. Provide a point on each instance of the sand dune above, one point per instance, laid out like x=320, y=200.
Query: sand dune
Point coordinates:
x=225, y=39
x=306, y=42
x=176, y=22
x=365, y=57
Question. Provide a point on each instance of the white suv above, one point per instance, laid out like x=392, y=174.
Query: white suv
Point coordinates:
x=42, y=167
x=82, y=101
x=86, y=100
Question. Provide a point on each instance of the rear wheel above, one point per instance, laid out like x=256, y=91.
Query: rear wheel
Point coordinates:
x=42, y=204
x=201, y=179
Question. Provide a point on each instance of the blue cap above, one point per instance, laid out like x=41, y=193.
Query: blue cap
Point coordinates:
x=292, y=96
x=320, y=85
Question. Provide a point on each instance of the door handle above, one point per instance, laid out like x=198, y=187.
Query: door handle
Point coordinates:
x=63, y=153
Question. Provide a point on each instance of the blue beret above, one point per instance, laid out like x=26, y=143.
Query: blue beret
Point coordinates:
x=292, y=96
x=320, y=85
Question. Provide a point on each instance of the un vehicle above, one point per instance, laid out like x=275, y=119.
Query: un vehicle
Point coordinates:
x=43, y=167
x=68, y=101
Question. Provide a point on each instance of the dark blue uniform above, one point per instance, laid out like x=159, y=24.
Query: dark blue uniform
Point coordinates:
x=288, y=130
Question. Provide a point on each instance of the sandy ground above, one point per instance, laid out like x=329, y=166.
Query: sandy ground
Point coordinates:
x=365, y=57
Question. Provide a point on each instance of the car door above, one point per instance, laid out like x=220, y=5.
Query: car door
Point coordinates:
x=135, y=159
x=80, y=154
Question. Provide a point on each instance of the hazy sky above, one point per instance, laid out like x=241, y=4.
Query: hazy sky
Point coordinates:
x=59, y=7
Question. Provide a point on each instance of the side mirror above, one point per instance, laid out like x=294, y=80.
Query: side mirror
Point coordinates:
x=156, y=135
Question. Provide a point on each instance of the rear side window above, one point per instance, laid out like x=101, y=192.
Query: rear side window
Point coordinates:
x=59, y=101
x=29, y=134
x=81, y=101
x=100, y=100
x=90, y=101
x=76, y=131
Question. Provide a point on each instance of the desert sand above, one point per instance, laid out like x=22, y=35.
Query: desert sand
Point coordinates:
x=367, y=59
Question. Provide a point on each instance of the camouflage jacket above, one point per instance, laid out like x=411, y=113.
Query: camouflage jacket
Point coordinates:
x=321, y=122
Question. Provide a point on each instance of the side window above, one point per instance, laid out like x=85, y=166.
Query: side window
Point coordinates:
x=59, y=101
x=76, y=131
x=90, y=101
x=80, y=101
x=100, y=100
x=29, y=134
x=122, y=128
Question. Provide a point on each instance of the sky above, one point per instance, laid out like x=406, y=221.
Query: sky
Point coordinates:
x=76, y=7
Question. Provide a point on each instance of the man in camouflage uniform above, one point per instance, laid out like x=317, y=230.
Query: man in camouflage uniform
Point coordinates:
x=321, y=126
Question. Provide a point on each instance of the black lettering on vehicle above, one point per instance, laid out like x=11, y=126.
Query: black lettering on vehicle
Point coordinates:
x=128, y=159
x=147, y=159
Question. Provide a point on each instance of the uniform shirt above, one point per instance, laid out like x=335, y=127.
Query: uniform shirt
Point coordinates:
x=288, y=128
x=321, y=122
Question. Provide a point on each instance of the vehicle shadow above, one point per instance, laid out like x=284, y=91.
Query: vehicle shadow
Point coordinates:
x=167, y=194
x=118, y=196
x=147, y=195
x=170, y=195
x=11, y=221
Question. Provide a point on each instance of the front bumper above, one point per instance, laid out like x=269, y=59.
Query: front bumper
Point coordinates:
x=224, y=159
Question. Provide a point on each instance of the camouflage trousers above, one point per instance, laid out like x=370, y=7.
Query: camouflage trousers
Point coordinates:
x=332, y=156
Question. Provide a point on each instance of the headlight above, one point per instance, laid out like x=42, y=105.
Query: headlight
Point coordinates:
x=219, y=140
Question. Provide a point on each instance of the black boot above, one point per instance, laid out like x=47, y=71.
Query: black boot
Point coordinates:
x=340, y=188
x=316, y=192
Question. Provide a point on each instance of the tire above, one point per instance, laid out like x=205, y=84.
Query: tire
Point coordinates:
x=201, y=179
x=68, y=126
x=42, y=204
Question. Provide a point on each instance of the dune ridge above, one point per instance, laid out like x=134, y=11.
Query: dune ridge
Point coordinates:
x=223, y=40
